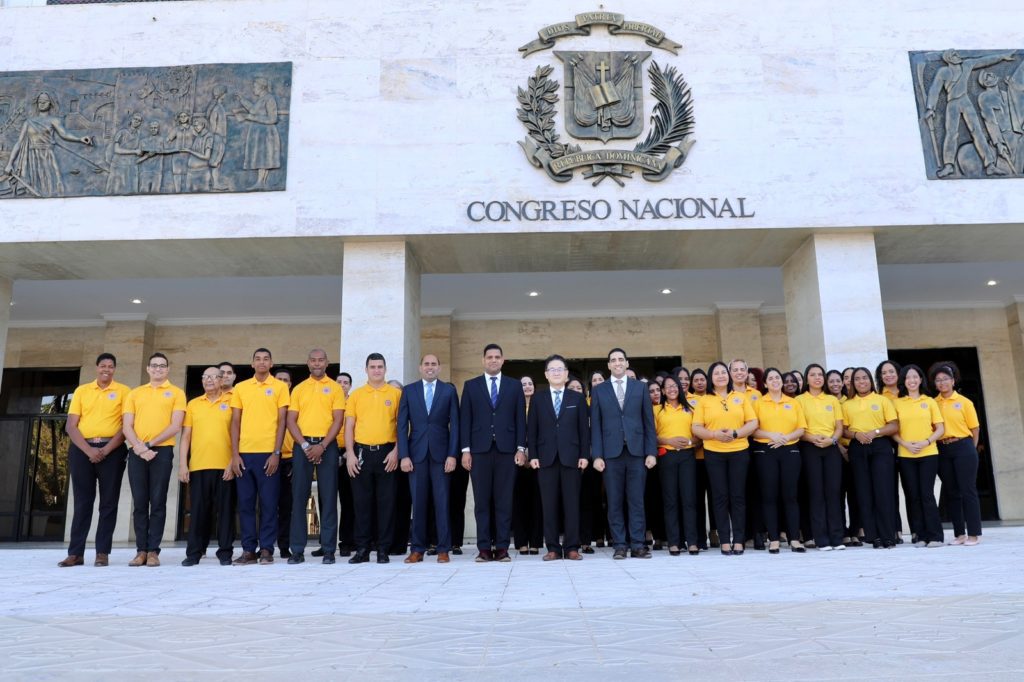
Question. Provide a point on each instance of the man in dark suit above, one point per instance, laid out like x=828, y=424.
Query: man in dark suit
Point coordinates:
x=493, y=426
x=558, y=435
x=428, y=444
x=624, y=445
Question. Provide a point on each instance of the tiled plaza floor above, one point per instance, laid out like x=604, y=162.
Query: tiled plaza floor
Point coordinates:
x=907, y=613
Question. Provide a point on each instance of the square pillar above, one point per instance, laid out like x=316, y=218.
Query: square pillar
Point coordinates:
x=739, y=333
x=834, y=303
x=380, y=308
x=6, y=288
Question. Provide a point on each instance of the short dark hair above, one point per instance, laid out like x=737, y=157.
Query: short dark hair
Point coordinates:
x=282, y=370
x=106, y=356
x=220, y=365
x=158, y=355
x=493, y=346
x=375, y=356
x=262, y=350
x=553, y=358
x=345, y=374
x=617, y=350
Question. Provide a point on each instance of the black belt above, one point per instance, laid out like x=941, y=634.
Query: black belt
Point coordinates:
x=950, y=441
x=314, y=439
x=375, y=448
x=98, y=441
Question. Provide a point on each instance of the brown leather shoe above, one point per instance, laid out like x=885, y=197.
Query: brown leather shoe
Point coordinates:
x=442, y=558
x=552, y=556
x=266, y=557
x=71, y=560
x=246, y=559
x=414, y=558
x=153, y=560
x=139, y=560
x=102, y=559
x=484, y=556
x=502, y=556
x=573, y=555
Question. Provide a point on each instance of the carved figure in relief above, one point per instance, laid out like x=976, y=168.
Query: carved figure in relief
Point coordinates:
x=151, y=164
x=200, y=155
x=953, y=78
x=217, y=116
x=32, y=163
x=181, y=141
x=122, y=158
x=994, y=106
x=262, y=141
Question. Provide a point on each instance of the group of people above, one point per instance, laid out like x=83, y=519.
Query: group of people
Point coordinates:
x=780, y=456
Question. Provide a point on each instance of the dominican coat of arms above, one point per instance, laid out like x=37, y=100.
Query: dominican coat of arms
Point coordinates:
x=604, y=94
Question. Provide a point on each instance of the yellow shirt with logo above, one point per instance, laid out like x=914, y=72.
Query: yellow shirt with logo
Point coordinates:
x=693, y=399
x=314, y=403
x=959, y=415
x=732, y=412
x=210, y=421
x=153, y=407
x=99, y=409
x=917, y=415
x=868, y=413
x=259, y=402
x=821, y=411
x=673, y=422
x=784, y=416
x=376, y=413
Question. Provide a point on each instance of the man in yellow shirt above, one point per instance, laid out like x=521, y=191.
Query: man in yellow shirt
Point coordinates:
x=153, y=414
x=258, y=407
x=205, y=465
x=314, y=420
x=371, y=458
x=96, y=459
x=227, y=377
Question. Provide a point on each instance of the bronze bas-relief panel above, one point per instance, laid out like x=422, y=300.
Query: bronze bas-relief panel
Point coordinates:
x=151, y=130
x=970, y=105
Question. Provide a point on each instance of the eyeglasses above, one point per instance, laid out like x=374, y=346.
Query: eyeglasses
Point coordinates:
x=555, y=370
x=210, y=377
x=158, y=366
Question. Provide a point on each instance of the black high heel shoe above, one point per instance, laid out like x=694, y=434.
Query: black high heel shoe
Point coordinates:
x=693, y=550
x=726, y=551
x=773, y=550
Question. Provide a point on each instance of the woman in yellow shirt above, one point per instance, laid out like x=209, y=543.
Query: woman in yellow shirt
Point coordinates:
x=822, y=461
x=848, y=497
x=698, y=382
x=921, y=427
x=869, y=420
x=887, y=375
x=706, y=528
x=673, y=419
x=776, y=453
x=958, y=454
x=723, y=419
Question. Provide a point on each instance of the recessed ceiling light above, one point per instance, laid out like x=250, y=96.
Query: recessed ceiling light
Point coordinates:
x=136, y=301
x=666, y=291
x=534, y=294
x=992, y=282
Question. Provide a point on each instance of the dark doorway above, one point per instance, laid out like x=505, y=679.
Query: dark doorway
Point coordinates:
x=970, y=386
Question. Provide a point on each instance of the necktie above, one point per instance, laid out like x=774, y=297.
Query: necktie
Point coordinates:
x=494, y=391
x=558, y=403
x=430, y=395
x=620, y=394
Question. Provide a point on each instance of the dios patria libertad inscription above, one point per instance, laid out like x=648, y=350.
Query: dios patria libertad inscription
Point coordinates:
x=158, y=130
x=971, y=108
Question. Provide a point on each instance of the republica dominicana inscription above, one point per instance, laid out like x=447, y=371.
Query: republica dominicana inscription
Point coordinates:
x=152, y=130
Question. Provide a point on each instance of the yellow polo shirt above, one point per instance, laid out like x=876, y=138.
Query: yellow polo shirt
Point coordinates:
x=891, y=394
x=959, y=415
x=99, y=409
x=673, y=422
x=821, y=411
x=917, y=416
x=259, y=402
x=314, y=402
x=753, y=395
x=784, y=416
x=868, y=413
x=210, y=421
x=376, y=413
x=731, y=413
x=153, y=408
x=693, y=399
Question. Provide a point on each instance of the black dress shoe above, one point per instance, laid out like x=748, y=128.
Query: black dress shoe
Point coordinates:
x=657, y=546
x=759, y=542
x=328, y=558
x=383, y=558
x=296, y=559
x=361, y=556
x=876, y=543
x=587, y=549
x=225, y=562
x=642, y=553
x=189, y=561
x=457, y=551
x=317, y=552
x=286, y=554
x=619, y=554
x=432, y=551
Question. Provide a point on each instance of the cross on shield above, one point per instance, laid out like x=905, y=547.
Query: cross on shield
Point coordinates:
x=603, y=94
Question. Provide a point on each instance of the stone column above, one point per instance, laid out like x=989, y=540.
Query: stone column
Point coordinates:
x=380, y=308
x=739, y=333
x=6, y=287
x=833, y=302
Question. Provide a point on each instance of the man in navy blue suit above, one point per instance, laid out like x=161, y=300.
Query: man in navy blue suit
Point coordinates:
x=428, y=443
x=493, y=425
x=624, y=445
x=558, y=434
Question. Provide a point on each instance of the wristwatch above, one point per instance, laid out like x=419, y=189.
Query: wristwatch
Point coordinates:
x=306, y=446
x=878, y=432
x=275, y=452
x=835, y=441
x=735, y=434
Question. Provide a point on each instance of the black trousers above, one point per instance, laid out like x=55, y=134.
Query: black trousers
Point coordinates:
x=755, y=521
x=958, y=467
x=654, y=506
x=823, y=473
x=919, y=474
x=527, y=511
x=86, y=477
x=849, y=495
x=493, y=475
x=727, y=472
x=403, y=513
x=679, y=496
x=873, y=471
x=560, y=492
x=284, y=506
x=211, y=504
x=374, y=489
x=149, y=482
x=779, y=477
x=625, y=478
x=457, y=489
x=705, y=505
